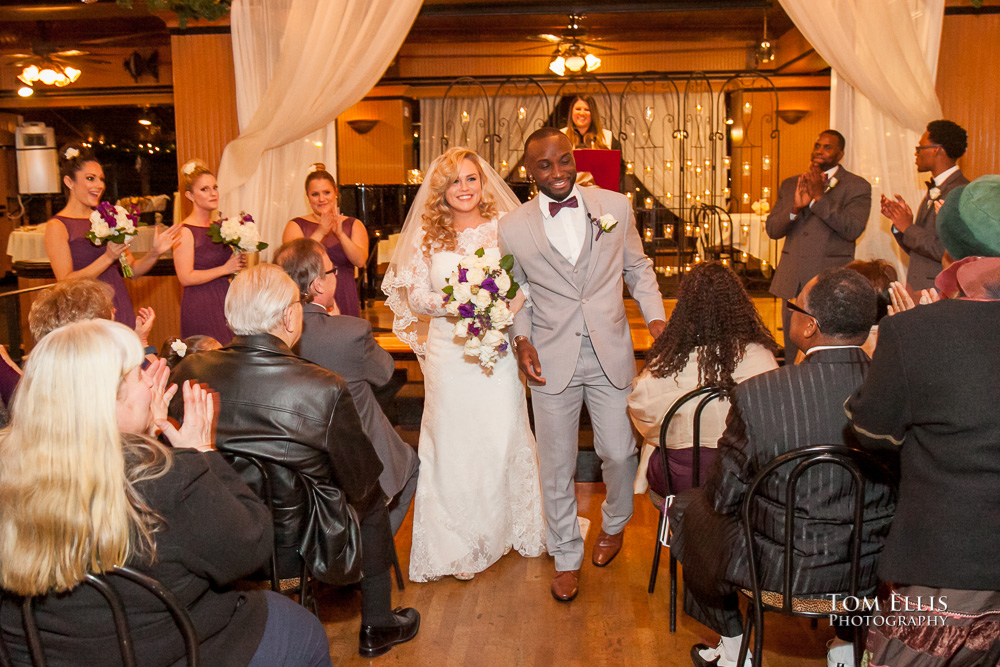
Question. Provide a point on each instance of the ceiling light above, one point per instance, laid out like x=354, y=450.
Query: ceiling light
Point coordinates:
x=146, y=118
x=558, y=66
x=25, y=91
x=765, y=52
x=593, y=62
x=575, y=63
x=29, y=74
x=72, y=73
x=48, y=76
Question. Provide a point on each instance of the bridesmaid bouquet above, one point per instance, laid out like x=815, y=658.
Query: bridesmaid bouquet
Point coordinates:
x=240, y=234
x=113, y=224
x=477, y=293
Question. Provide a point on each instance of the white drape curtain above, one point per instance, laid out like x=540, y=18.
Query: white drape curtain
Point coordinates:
x=299, y=64
x=884, y=58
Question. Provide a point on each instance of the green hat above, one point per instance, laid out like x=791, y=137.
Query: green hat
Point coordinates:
x=969, y=220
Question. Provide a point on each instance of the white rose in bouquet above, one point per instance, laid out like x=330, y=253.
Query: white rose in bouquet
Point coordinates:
x=483, y=299
x=451, y=308
x=475, y=276
x=230, y=229
x=462, y=329
x=491, y=263
x=500, y=315
x=472, y=346
x=493, y=338
x=462, y=293
x=503, y=282
x=100, y=228
x=123, y=221
x=249, y=238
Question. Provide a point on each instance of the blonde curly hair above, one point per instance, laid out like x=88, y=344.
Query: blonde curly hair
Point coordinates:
x=439, y=231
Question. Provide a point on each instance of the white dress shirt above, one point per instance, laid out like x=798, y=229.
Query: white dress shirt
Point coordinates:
x=944, y=175
x=568, y=229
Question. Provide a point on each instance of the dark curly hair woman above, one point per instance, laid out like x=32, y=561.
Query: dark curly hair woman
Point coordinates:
x=714, y=337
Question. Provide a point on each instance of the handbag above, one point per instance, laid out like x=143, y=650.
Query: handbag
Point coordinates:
x=331, y=537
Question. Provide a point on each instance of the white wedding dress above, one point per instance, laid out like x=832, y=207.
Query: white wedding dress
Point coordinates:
x=478, y=493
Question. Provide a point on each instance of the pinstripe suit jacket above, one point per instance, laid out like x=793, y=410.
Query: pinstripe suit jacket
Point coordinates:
x=773, y=413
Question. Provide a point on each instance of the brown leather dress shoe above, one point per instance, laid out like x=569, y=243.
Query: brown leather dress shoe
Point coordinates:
x=607, y=547
x=565, y=585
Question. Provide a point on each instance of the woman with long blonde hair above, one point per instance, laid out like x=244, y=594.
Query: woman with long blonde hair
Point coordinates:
x=85, y=487
x=478, y=493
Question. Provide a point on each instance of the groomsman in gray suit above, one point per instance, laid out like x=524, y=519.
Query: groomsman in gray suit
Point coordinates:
x=938, y=152
x=573, y=247
x=820, y=214
x=345, y=345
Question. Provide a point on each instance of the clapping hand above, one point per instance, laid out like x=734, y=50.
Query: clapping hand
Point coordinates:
x=144, y=323
x=165, y=238
x=900, y=298
x=897, y=211
x=156, y=376
x=199, y=414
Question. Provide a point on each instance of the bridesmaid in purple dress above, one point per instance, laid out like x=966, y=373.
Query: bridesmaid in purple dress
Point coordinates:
x=203, y=267
x=72, y=255
x=345, y=239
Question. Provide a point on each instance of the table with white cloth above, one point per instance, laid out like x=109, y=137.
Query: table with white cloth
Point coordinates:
x=158, y=289
x=755, y=241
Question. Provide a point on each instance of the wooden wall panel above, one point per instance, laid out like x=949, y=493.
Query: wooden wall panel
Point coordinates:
x=969, y=89
x=204, y=97
x=797, y=140
x=383, y=155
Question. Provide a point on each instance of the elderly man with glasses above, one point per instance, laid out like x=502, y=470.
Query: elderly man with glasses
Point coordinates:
x=276, y=406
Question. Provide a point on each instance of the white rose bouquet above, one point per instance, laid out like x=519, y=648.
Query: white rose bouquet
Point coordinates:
x=239, y=234
x=113, y=224
x=477, y=293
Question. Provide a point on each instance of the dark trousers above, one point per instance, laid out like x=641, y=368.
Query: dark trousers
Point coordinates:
x=680, y=463
x=292, y=636
x=376, y=546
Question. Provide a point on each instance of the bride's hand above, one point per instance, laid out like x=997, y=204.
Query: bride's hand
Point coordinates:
x=516, y=303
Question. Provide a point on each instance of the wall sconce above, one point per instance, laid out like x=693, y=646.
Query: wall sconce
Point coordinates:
x=362, y=125
x=792, y=116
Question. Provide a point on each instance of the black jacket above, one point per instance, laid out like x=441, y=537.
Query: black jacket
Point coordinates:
x=215, y=530
x=276, y=405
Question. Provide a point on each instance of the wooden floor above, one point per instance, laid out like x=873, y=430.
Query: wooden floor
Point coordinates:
x=506, y=616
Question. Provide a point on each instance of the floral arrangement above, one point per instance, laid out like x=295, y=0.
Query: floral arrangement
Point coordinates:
x=831, y=184
x=477, y=293
x=605, y=223
x=239, y=234
x=179, y=347
x=113, y=224
x=187, y=9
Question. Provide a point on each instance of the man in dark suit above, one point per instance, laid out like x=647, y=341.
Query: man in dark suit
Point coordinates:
x=345, y=345
x=770, y=414
x=820, y=214
x=939, y=149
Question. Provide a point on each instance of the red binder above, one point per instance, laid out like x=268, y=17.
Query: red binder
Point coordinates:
x=605, y=165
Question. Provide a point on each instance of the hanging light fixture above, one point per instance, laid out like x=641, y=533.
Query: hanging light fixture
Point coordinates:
x=765, y=52
x=573, y=58
x=48, y=73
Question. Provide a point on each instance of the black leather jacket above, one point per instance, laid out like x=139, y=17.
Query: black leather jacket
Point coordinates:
x=277, y=406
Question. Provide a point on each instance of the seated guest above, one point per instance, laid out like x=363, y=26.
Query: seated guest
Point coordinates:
x=175, y=349
x=79, y=299
x=279, y=406
x=830, y=320
x=931, y=394
x=345, y=345
x=81, y=428
x=714, y=337
x=881, y=274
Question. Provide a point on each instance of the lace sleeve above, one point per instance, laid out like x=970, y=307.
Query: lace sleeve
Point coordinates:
x=424, y=299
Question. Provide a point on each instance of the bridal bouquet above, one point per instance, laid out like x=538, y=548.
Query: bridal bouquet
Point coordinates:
x=477, y=293
x=239, y=234
x=113, y=224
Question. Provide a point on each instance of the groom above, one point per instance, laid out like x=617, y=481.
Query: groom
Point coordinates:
x=572, y=247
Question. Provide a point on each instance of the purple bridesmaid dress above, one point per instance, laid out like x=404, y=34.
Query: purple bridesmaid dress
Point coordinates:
x=346, y=295
x=203, y=306
x=84, y=252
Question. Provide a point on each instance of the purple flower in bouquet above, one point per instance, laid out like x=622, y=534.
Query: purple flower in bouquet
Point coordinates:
x=490, y=286
x=466, y=310
x=502, y=348
x=474, y=330
x=461, y=275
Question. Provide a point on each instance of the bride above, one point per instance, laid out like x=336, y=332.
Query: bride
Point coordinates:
x=478, y=493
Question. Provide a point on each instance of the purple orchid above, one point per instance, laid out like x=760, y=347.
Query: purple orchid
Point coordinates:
x=107, y=212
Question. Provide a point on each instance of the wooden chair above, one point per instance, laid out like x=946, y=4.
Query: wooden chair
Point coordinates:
x=119, y=615
x=786, y=601
x=707, y=394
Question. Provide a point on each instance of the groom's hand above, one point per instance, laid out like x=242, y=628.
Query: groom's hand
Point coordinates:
x=656, y=327
x=527, y=361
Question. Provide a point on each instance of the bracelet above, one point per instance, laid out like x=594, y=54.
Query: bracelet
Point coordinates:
x=514, y=342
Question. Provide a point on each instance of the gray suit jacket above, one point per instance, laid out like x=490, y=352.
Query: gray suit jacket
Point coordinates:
x=822, y=236
x=568, y=302
x=345, y=345
x=920, y=240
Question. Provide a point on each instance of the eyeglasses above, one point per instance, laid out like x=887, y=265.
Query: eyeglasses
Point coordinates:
x=799, y=309
x=920, y=148
x=333, y=271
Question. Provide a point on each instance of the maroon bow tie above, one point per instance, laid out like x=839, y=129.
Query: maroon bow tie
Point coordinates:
x=556, y=206
x=930, y=184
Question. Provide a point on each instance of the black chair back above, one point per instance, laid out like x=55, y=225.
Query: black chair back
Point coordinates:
x=838, y=455
x=119, y=616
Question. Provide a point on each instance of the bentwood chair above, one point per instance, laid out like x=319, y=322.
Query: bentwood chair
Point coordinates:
x=706, y=394
x=787, y=601
x=119, y=618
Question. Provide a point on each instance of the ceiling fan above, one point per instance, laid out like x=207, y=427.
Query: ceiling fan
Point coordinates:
x=571, y=48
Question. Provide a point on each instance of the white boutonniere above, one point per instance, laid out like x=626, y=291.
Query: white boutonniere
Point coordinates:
x=934, y=193
x=179, y=347
x=71, y=153
x=831, y=184
x=605, y=223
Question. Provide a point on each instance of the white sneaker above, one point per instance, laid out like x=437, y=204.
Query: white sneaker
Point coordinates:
x=839, y=653
x=716, y=657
